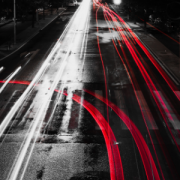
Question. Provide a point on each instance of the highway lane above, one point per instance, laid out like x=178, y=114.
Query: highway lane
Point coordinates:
x=98, y=89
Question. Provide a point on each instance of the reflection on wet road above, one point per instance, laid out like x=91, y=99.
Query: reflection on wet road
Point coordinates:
x=93, y=105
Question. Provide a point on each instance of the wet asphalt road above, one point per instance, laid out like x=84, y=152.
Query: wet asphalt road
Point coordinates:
x=58, y=130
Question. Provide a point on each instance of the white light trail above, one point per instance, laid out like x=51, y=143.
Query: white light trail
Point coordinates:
x=40, y=115
x=18, y=103
x=1, y=69
x=38, y=119
x=84, y=43
x=10, y=78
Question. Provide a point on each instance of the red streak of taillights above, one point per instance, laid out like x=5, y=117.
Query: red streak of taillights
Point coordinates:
x=159, y=101
x=116, y=169
x=160, y=31
x=17, y=82
x=133, y=85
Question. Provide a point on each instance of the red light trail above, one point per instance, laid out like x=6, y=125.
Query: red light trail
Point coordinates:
x=116, y=168
x=153, y=90
x=135, y=86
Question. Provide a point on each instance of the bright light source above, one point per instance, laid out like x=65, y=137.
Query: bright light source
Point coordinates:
x=117, y=2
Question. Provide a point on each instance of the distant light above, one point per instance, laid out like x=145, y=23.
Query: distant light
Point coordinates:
x=117, y=2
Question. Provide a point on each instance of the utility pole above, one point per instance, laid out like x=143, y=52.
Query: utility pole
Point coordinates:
x=14, y=21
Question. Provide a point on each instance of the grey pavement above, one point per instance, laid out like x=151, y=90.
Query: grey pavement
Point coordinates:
x=22, y=38
x=168, y=61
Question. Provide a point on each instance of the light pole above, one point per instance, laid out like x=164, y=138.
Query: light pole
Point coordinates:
x=14, y=21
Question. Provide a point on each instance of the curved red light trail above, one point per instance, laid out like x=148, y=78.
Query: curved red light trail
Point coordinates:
x=116, y=168
x=113, y=152
x=144, y=151
x=154, y=62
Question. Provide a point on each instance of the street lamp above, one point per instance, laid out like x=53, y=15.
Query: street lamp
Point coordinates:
x=14, y=21
x=117, y=2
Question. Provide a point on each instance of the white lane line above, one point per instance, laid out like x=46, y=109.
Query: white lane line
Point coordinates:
x=146, y=111
x=83, y=46
x=173, y=119
x=10, y=78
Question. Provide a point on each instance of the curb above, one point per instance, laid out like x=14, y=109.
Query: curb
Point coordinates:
x=30, y=40
x=6, y=23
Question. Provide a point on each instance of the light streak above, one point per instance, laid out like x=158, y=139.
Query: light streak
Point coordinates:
x=163, y=109
x=111, y=105
x=92, y=111
x=84, y=43
x=18, y=103
x=1, y=69
x=10, y=77
x=113, y=152
x=38, y=120
x=46, y=101
x=27, y=54
x=16, y=82
x=143, y=72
